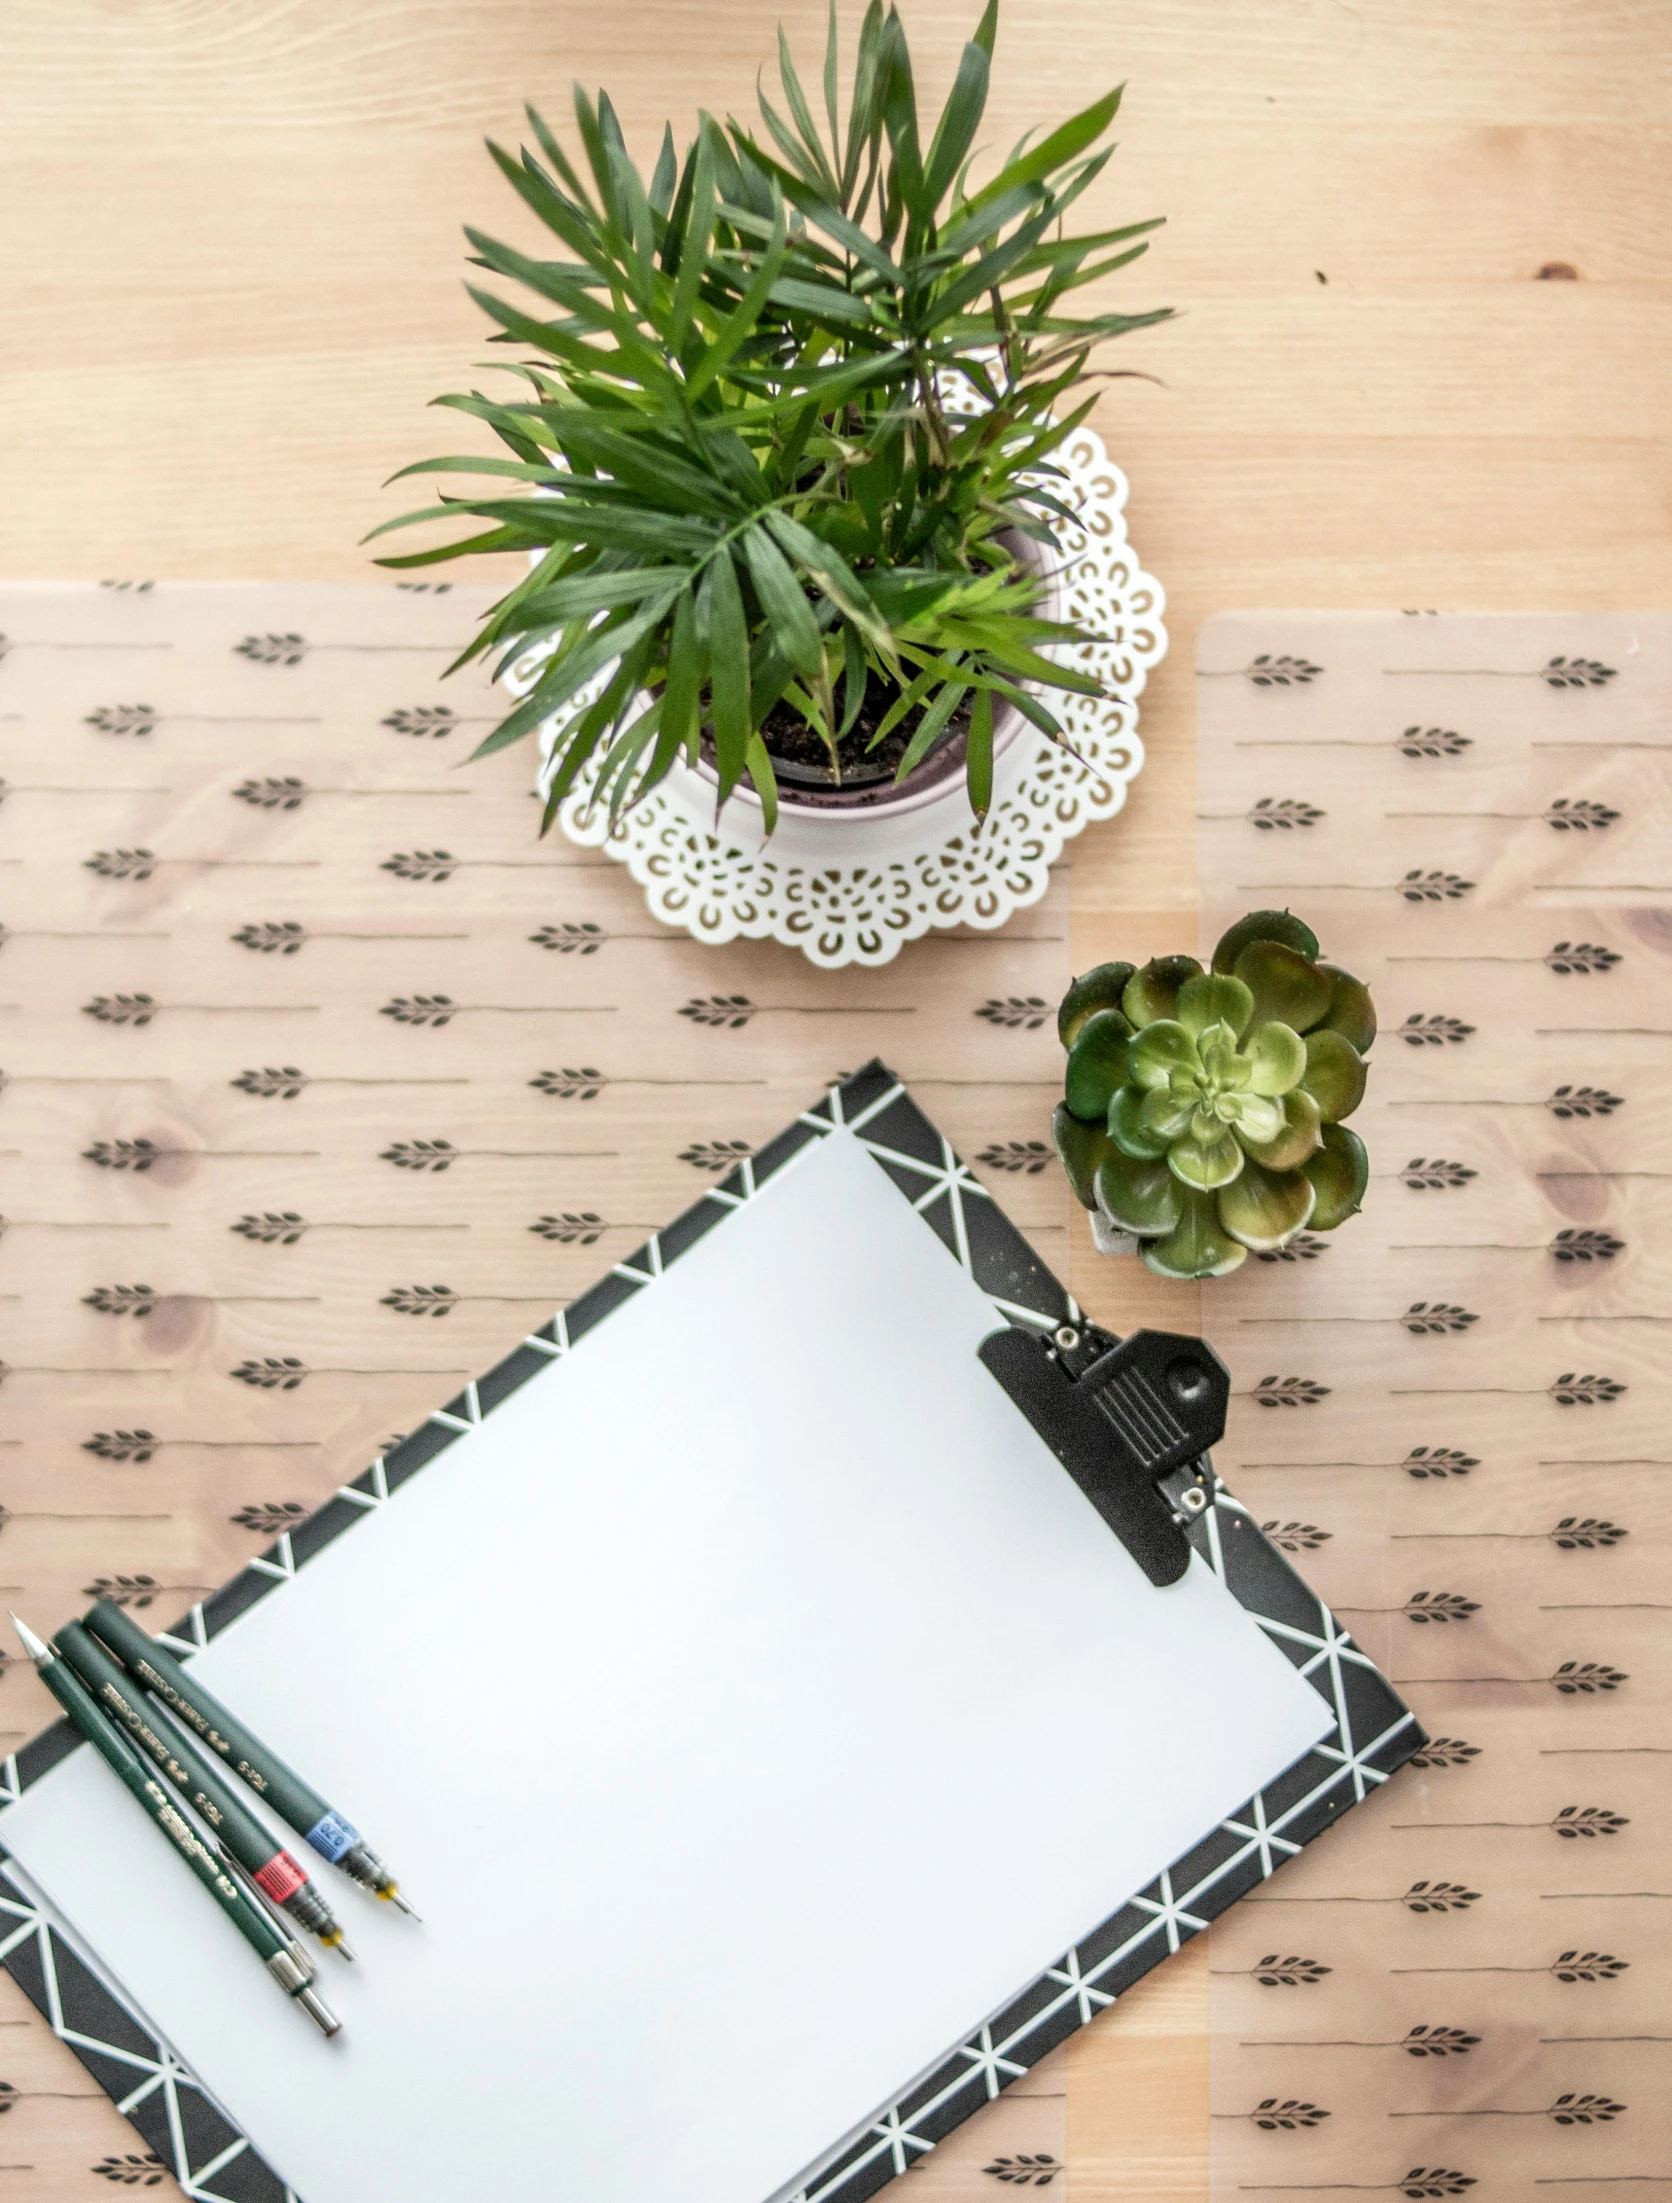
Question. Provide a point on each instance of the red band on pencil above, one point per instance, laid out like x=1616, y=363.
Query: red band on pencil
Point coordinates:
x=280, y=1878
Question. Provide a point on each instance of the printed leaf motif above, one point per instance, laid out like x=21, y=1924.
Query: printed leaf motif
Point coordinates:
x=581, y=1085
x=121, y=1445
x=1580, y=958
x=1573, y=1245
x=575, y=937
x=271, y=1373
x=1295, y=1537
x=1584, y=2111
x=270, y=1518
x=1438, y=1606
x=272, y=794
x=1586, y=1677
x=1289, y=1392
x=1304, y=1247
x=1586, y=1534
x=716, y=1156
x=276, y=937
x=1430, y=1319
x=1273, y=1972
x=1439, y=1897
x=1579, y=816
x=136, y=588
x=1575, y=1821
x=1576, y=673
x=121, y=1300
x=275, y=1082
x=134, y=1591
x=134, y=719
x=121, y=1009
x=1438, y=1461
x=1027, y=1157
x=271, y=1228
x=1425, y=1174
x=1024, y=2171
x=1432, y=742
x=1573, y=1966
x=1445, y=1751
x=1284, y=672
x=1584, y=1101
x=436, y=865
x=1283, y=814
x=135, y=1155
x=421, y=1009
x=432, y=720
x=1419, y=1031
x=1434, y=887
x=1016, y=1012
x=132, y=2171
x=431, y=1155
x=121, y=864
x=1287, y=2116
x=731, y=1010
x=424, y=588
x=272, y=649
x=420, y=1300
x=581, y=1230
x=1422, y=2185
x=1586, y=1391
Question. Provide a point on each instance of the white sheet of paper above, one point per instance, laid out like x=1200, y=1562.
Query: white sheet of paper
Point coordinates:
x=752, y=1706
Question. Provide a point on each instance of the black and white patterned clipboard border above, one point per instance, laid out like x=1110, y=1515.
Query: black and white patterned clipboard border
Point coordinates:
x=1373, y=1732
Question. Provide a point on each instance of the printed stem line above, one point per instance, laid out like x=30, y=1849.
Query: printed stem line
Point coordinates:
x=341, y=1227
x=75, y=1224
x=1605, y=887
x=1603, y=1032
x=1602, y=1174
x=1627, y=1316
x=1605, y=1751
x=1611, y=1606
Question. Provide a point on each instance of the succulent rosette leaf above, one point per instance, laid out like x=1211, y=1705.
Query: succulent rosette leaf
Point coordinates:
x=1203, y=1109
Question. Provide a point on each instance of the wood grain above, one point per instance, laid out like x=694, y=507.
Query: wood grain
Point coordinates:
x=230, y=239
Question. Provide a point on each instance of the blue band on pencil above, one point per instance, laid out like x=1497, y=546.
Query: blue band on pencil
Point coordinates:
x=332, y=1836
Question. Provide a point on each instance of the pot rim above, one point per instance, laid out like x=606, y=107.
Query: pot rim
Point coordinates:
x=928, y=780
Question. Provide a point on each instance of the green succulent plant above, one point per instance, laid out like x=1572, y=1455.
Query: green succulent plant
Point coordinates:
x=1202, y=1111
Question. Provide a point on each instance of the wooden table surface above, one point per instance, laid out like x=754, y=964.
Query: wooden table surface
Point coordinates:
x=1423, y=261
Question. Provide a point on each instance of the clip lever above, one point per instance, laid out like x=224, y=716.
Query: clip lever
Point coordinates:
x=1120, y=1415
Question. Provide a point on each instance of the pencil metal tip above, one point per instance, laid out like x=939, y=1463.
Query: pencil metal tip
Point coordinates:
x=339, y=1944
x=38, y=1652
x=395, y=1898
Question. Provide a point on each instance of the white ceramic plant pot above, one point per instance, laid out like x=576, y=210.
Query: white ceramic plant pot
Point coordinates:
x=883, y=819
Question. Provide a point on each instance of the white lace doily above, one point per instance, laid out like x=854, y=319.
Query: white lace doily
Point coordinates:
x=852, y=892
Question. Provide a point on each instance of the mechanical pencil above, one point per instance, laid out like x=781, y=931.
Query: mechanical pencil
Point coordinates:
x=284, y=1960
x=282, y=1880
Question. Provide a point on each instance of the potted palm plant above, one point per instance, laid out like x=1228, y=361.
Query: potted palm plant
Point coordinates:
x=780, y=464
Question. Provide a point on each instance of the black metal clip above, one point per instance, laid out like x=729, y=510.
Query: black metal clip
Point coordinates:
x=1120, y=1414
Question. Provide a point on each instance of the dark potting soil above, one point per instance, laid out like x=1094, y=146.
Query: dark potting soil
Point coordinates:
x=799, y=755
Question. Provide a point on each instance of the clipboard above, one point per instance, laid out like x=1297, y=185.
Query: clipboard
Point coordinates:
x=730, y=2048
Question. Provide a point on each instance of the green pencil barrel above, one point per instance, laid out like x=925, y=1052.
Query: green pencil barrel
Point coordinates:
x=96, y=1727
x=291, y=1798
